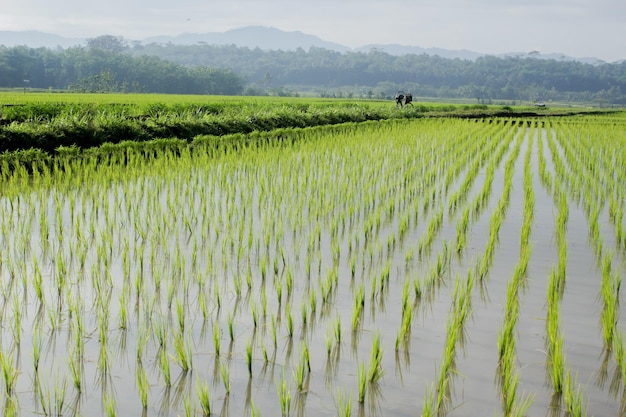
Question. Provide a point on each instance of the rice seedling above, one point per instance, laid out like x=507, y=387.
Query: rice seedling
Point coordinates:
x=164, y=363
x=204, y=400
x=143, y=386
x=217, y=337
x=299, y=373
x=255, y=314
x=274, y=330
x=289, y=322
x=249, y=357
x=362, y=381
x=182, y=352
x=337, y=330
x=9, y=374
x=225, y=373
x=344, y=405
x=573, y=398
x=284, y=396
x=254, y=411
x=109, y=406
x=375, y=372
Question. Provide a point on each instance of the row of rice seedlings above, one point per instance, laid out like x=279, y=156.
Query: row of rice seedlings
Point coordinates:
x=560, y=376
x=483, y=150
x=499, y=213
x=587, y=172
x=437, y=400
x=508, y=374
x=594, y=177
x=589, y=168
x=610, y=293
x=475, y=208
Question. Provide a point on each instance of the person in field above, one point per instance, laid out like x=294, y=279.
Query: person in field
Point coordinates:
x=399, y=98
x=408, y=99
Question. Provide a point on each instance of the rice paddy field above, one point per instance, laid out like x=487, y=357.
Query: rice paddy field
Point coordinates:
x=387, y=268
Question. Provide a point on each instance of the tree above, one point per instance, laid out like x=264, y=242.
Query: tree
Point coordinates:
x=108, y=43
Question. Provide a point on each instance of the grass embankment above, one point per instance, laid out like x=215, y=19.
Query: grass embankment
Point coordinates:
x=38, y=126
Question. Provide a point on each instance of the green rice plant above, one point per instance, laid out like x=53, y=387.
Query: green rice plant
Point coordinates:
x=217, y=295
x=180, y=315
x=237, y=285
x=337, y=329
x=357, y=312
x=264, y=353
x=289, y=320
x=202, y=390
x=284, y=396
x=60, y=391
x=573, y=398
x=557, y=365
x=9, y=374
x=305, y=355
x=143, y=386
x=279, y=291
x=109, y=406
x=263, y=302
x=182, y=352
x=231, y=332
x=362, y=382
x=225, y=373
x=217, y=336
x=36, y=342
x=249, y=357
x=187, y=405
x=254, y=410
x=344, y=405
x=75, y=367
x=428, y=407
x=289, y=282
x=313, y=302
x=255, y=314
x=375, y=372
x=164, y=363
x=520, y=409
x=10, y=408
x=161, y=330
x=417, y=288
x=329, y=345
x=299, y=374
x=273, y=330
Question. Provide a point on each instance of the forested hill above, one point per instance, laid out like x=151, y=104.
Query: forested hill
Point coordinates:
x=97, y=69
x=110, y=64
x=377, y=72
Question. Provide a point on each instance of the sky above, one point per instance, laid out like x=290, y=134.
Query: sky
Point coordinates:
x=577, y=28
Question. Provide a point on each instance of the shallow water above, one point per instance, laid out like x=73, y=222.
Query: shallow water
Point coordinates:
x=181, y=243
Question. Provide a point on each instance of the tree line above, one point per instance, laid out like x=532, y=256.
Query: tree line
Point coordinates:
x=94, y=68
x=379, y=74
x=110, y=63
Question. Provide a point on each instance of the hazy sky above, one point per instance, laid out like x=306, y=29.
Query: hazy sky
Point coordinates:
x=579, y=28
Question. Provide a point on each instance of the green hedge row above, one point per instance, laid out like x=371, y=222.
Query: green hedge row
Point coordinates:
x=86, y=132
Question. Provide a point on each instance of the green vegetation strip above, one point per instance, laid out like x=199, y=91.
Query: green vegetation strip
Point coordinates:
x=49, y=121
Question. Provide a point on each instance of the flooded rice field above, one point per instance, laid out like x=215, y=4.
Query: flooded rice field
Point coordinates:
x=432, y=267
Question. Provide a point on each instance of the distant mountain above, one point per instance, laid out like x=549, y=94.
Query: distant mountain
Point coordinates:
x=36, y=39
x=269, y=38
x=252, y=37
